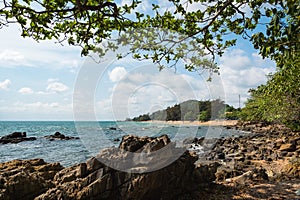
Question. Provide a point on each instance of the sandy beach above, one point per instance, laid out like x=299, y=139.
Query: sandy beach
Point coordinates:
x=198, y=123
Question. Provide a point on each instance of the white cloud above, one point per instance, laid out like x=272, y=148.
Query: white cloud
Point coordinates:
x=54, y=105
x=11, y=55
x=192, y=7
x=16, y=51
x=236, y=59
x=240, y=72
x=56, y=87
x=5, y=84
x=51, y=80
x=117, y=74
x=71, y=64
x=26, y=90
x=144, y=92
x=40, y=107
x=144, y=6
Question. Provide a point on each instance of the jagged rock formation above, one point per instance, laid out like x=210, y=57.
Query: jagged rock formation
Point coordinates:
x=26, y=179
x=94, y=180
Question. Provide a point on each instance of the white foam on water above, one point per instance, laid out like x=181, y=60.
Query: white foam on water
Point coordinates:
x=198, y=149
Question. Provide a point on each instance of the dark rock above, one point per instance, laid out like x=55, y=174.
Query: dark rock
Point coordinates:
x=116, y=140
x=209, y=170
x=268, y=159
x=112, y=128
x=82, y=170
x=239, y=158
x=287, y=147
x=60, y=136
x=260, y=174
x=295, y=141
x=16, y=137
x=221, y=155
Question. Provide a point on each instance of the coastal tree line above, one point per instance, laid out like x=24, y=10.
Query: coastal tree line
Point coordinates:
x=193, y=110
x=277, y=101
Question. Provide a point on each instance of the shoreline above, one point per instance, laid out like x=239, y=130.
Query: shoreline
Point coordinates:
x=263, y=165
x=196, y=123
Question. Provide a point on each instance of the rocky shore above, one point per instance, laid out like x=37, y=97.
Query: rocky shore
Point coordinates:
x=262, y=165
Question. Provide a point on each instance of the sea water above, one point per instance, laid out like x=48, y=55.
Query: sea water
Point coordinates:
x=94, y=136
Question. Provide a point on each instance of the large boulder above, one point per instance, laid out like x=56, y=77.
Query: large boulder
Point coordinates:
x=94, y=180
x=26, y=179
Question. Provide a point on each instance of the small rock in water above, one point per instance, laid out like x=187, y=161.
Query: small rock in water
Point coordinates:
x=60, y=136
x=15, y=137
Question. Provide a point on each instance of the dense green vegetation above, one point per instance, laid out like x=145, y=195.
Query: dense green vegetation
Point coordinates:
x=272, y=26
x=192, y=110
x=279, y=99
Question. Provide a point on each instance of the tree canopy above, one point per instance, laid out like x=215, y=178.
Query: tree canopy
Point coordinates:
x=179, y=34
x=194, y=37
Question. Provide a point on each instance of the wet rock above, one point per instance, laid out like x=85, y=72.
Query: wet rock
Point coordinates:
x=60, y=136
x=16, y=137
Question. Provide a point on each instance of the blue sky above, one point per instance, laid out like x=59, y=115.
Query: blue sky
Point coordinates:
x=37, y=80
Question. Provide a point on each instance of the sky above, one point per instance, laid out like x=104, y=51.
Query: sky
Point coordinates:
x=47, y=81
